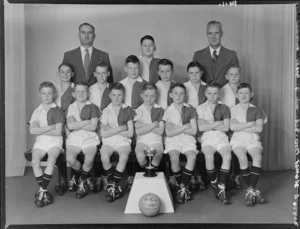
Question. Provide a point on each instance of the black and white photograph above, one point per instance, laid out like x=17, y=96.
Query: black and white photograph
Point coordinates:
x=147, y=114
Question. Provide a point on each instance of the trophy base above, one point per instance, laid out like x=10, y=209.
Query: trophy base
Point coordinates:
x=150, y=172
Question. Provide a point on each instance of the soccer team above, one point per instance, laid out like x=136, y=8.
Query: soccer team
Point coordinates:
x=149, y=109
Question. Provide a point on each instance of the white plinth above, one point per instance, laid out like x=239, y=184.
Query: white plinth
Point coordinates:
x=142, y=185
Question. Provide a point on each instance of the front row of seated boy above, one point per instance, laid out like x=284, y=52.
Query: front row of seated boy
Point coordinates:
x=181, y=123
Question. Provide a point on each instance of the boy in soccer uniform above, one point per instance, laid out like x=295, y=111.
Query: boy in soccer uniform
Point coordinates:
x=149, y=127
x=148, y=63
x=116, y=131
x=82, y=121
x=133, y=83
x=247, y=122
x=195, y=87
x=181, y=128
x=165, y=71
x=213, y=123
x=46, y=123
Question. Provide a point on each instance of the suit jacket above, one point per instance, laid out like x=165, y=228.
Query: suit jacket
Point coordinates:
x=74, y=58
x=215, y=71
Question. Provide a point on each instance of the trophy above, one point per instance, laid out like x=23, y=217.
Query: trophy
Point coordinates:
x=149, y=170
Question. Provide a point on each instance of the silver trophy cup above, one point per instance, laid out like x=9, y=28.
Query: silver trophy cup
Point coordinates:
x=150, y=170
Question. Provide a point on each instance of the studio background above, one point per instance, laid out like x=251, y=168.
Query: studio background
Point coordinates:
x=36, y=37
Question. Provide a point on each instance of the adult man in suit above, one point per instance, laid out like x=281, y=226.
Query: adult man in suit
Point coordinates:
x=215, y=58
x=84, y=58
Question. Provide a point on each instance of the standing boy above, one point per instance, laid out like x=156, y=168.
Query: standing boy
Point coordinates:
x=247, y=123
x=116, y=131
x=149, y=127
x=148, y=63
x=213, y=123
x=133, y=83
x=181, y=128
x=46, y=123
x=82, y=121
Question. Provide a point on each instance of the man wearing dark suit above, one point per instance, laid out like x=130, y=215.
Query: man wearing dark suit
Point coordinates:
x=215, y=58
x=84, y=58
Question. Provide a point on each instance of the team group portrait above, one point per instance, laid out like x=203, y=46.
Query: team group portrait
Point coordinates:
x=149, y=114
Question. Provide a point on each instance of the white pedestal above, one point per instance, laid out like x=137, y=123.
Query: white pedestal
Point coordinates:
x=142, y=185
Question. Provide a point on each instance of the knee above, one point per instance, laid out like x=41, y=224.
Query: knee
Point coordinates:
x=70, y=159
x=105, y=158
x=191, y=158
x=227, y=157
x=174, y=159
x=88, y=160
x=35, y=163
x=209, y=157
x=140, y=156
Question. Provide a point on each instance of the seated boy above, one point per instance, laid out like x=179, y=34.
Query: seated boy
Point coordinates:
x=46, y=123
x=213, y=123
x=247, y=123
x=82, y=121
x=149, y=127
x=165, y=71
x=133, y=83
x=148, y=63
x=181, y=128
x=195, y=87
x=116, y=131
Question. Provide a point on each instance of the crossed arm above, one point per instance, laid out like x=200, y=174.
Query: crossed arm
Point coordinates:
x=155, y=127
x=52, y=130
x=251, y=127
x=217, y=125
x=189, y=128
x=124, y=130
x=89, y=125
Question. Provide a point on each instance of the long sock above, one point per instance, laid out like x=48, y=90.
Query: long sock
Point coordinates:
x=246, y=175
x=223, y=176
x=39, y=180
x=255, y=173
x=186, y=176
x=84, y=174
x=178, y=176
x=46, y=180
x=110, y=173
x=117, y=176
x=211, y=174
x=77, y=173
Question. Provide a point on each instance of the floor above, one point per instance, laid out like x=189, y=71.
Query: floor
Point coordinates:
x=204, y=208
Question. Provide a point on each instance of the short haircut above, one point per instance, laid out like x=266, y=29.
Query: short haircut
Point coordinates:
x=132, y=59
x=214, y=22
x=165, y=62
x=147, y=37
x=149, y=86
x=85, y=23
x=213, y=84
x=81, y=84
x=194, y=64
x=102, y=65
x=117, y=86
x=47, y=84
x=233, y=66
x=244, y=85
x=178, y=85
x=66, y=64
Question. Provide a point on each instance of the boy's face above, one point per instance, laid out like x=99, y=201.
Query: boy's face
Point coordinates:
x=132, y=70
x=165, y=72
x=212, y=94
x=101, y=73
x=86, y=35
x=178, y=95
x=116, y=97
x=65, y=73
x=195, y=74
x=148, y=48
x=149, y=96
x=81, y=93
x=244, y=95
x=233, y=75
x=47, y=95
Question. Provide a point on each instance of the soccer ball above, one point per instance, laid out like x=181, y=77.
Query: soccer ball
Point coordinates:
x=149, y=204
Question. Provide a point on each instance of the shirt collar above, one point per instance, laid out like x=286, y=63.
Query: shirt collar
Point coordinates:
x=212, y=50
x=190, y=83
x=82, y=49
x=40, y=107
x=139, y=79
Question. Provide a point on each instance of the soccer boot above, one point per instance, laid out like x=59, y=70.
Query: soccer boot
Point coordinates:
x=82, y=189
x=259, y=198
x=192, y=186
x=91, y=184
x=39, y=197
x=110, y=192
x=173, y=183
x=118, y=192
x=237, y=182
x=188, y=195
x=72, y=184
x=250, y=197
x=99, y=184
x=222, y=197
x=48, y=198
x=214, y=185
x=181, y=194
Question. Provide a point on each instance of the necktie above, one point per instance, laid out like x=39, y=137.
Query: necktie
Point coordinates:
x=215, y=56
x=86, y=62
